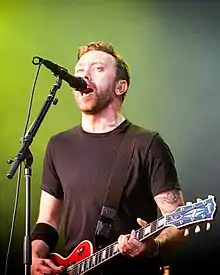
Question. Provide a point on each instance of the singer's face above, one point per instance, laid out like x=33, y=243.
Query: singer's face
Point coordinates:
x=99, y=70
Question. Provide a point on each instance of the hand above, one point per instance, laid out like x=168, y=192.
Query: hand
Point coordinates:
x=44, y=266
x=129, y=246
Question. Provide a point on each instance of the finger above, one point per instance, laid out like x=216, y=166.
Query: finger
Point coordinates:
x=48, y=270
x=122, y=242
x=141, y=222
x=43, y=269
x=133, y=246
x=57, y=268
x=132, y=236
x=133, y=243
x=124, y=246
x=49, y=266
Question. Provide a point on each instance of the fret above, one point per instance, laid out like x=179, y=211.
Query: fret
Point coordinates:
x=93, y=260
x=146, y=231
x=82, y=267
x=107, y=250
x=110, y=251
x=104, y=254
x=86, y=264
x=153, y=227
x=79, y=268
x=140, y=234
x=160, y=222
x=72, y=270
x=99, y=257
x=115, y=248
x=89, y=262
x=96, y=259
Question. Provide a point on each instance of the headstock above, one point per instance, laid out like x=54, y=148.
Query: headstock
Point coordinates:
x=192, y=213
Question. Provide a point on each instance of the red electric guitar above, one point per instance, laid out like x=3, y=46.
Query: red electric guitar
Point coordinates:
x=82, y=259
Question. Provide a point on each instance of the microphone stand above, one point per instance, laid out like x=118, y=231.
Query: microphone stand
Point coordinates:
x=26, y=156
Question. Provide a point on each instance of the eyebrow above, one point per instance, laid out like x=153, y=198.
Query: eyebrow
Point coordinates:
x=93, y=63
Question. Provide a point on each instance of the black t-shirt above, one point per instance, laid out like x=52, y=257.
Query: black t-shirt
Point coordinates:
x=77, y=167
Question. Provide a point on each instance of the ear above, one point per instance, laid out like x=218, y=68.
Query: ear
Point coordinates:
x=121, y=87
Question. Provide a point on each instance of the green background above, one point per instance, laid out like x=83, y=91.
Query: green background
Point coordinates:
x=172, y=48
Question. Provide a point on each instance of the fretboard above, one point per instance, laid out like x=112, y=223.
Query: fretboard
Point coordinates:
x=111, y=250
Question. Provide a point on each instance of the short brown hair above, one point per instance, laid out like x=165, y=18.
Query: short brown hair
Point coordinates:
x=122, y=69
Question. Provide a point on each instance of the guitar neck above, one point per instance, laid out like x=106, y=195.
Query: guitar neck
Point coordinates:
x=111, y=250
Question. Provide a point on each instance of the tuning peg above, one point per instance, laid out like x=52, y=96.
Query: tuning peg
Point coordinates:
x=208, y=226
x=197, y=229
x=188, y=203
x=186, y=232
x=198, y=199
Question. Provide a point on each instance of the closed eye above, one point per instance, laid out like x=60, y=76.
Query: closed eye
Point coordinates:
x=80, y=70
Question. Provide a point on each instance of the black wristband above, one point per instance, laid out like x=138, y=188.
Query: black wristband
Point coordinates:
x=47, y=233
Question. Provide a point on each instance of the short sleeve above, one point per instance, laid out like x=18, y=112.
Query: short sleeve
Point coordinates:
x=161, y=166
x=50, y=180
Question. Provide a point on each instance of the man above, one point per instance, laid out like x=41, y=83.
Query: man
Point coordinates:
x=78, y=164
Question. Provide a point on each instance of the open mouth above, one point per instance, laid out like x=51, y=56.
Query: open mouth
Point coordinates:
x=87, y=91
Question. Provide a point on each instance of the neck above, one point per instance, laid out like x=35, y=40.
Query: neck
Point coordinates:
x=103, y=122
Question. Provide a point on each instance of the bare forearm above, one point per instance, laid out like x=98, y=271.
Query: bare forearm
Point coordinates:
x=170, y=237
x=39, y=249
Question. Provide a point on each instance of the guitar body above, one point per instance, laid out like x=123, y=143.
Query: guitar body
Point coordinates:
x=81, y=252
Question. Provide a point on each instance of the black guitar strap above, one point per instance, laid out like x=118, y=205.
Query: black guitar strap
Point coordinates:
x=116, y=184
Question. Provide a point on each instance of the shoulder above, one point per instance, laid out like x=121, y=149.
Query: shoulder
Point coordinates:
x=151, y=141
x=64, y=136
x=145, y=136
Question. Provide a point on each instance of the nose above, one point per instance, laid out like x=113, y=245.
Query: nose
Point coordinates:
x=86, y=73
x=87, y=77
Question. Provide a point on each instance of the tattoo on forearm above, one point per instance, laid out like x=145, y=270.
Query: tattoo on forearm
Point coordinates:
x=171, y=197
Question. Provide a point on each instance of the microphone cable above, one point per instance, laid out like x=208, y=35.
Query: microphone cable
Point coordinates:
x=19, y=171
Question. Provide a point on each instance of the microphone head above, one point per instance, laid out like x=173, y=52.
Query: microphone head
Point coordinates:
x=82, y=85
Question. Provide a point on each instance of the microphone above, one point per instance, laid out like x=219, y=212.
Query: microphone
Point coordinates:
x=77, y=83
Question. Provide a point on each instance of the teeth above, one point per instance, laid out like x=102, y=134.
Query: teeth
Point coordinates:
x=84, y=94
